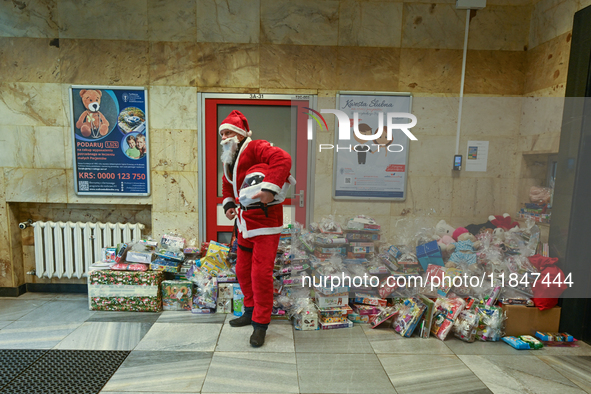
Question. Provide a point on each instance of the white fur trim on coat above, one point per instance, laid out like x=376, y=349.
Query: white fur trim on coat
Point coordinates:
x=270, y=186
x=236, y=129
x=227, y=200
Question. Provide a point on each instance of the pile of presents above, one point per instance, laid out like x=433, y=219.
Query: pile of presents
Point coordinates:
x=313, y=264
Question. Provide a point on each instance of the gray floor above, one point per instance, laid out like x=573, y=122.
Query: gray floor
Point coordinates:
x=178, y=352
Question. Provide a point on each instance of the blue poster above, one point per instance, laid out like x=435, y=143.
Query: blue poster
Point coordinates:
x=110, y=141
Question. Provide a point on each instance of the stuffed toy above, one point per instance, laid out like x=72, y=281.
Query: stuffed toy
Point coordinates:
x=503, y=221
x=444, y=231
x=464, y=248
x=92, y=122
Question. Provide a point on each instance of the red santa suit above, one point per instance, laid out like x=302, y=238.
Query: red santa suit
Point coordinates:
x=258, y=229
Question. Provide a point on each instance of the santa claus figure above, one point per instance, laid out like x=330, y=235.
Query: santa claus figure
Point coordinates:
x=255, y=181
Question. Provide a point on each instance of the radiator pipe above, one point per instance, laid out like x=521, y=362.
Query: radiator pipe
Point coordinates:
x=32, y=272
x=26, y=224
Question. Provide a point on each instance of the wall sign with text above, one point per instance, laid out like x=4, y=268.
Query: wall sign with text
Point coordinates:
x=110, y=140
x=373, y=164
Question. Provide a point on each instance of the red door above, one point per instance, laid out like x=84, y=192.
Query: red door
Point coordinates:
x=282, y=122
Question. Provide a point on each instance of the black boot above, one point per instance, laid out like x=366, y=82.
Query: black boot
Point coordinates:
x=245, y=319
x=257, y=339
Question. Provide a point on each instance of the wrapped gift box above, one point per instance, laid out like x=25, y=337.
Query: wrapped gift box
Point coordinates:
x=177, y=295
x=124, y=291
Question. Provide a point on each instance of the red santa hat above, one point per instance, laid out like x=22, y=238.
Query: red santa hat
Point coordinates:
x=503, y=221
x=236, y=122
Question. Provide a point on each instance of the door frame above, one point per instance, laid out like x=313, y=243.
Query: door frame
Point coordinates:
x=201, y=159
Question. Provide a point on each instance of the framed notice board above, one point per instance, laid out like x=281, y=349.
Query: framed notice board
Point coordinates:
x=110, y=140
x=375, y=169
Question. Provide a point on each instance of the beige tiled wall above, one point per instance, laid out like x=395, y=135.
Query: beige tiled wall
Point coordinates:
x=177, y=48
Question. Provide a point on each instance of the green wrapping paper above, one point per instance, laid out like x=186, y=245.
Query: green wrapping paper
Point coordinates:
x=125, y=291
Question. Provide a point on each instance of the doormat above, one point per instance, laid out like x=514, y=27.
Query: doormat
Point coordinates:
x=57, y=371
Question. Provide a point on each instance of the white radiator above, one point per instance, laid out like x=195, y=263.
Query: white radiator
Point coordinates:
x=68, y=248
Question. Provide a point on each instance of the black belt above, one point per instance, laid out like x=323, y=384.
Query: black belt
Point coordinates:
x=258, y=205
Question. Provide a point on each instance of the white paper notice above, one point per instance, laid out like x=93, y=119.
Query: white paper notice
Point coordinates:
x=477, y=156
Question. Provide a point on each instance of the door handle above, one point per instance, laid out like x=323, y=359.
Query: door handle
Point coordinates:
x=301, y=196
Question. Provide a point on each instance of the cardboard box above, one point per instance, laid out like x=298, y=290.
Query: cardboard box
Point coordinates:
x=524, y=320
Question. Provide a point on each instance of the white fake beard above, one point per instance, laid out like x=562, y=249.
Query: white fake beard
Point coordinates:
x=229, y=147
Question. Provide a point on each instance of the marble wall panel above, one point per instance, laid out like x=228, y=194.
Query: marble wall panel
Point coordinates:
x=433, y=26
x=173, y=63
x=29, y=60
x=173, y=150
x=5, y=258
x=185, y=223
x=228, y=65
x=296, y=66
x=550, y=19
x=546, y=142
x=327, y=100
x=49, y=149
x=173, y=107
x=35, y=18
x=73, y=198
x=172, y=20
x=430, y=71
x=435, y=116
x=104, y=62
x=16, y=247
x=301, y=22
x=509, y=2
x=369, y=69
x=16, y=147
x=464, y=197
x=431, y=194
x=103, y=20
x=484, y=117
x=324, y=159
x=31, y=104
x=174, y=191
x=35, y=185
x=322, y=195
x=344, y=210
x=372, y=24
x=542, y=115
x=430, y=156
x=500, y=28
x=495, y=72
x=558, y=90
x=584, y=4
x=547, y=64
x=235, y=21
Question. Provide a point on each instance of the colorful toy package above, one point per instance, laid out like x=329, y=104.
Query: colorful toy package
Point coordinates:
x=177, y=295
x=490, y=324
x=554, y=337
x=427, y=319
x=446, y=311
x=238, y=300
x=516, y=343
x=124, y=291
x=466, y=325
x=367, y=299
x=385, y=314
x=409, y=315
x=206, y=291
x=524, y=342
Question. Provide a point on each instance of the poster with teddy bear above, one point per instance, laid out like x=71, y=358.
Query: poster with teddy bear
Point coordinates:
x=371, y=168
x=110, y=140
